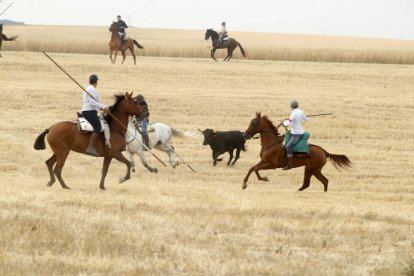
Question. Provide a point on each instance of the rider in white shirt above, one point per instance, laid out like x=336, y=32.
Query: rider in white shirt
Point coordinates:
x=296, y=130
x=223, y=32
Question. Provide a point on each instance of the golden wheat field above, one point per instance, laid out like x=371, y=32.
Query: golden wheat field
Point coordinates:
x=180, y=222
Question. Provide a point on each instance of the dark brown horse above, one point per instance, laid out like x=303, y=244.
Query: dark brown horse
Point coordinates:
x=274, y=156
x=4, y=37
x=64, y=137
x=115, y=44
x=230, y=44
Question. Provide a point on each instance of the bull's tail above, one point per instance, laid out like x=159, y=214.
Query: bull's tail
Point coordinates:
x=241, y=49
x=137, y=44
x=40, y=140
x=5, y=38
x=339, y=160
x=177, y=133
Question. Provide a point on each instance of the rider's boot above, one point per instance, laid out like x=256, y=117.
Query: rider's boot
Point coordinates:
x=289, y=164
x=93, y=140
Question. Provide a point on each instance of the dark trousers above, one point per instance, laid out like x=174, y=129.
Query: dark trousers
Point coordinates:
x=92, y=117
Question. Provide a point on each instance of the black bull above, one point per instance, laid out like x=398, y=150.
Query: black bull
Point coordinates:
x=224, y=141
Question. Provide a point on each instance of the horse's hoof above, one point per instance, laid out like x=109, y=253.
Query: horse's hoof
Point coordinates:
x=155, y=170
x=50, y=183
x=66, y=187
x=265, y=178
x=102, y=188
x=244, y=186
x=122, y=180
x=133, y=170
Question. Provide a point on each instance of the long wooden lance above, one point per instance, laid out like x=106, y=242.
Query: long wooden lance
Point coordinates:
x=83, y=89
x=6, y=8
x=185, y=162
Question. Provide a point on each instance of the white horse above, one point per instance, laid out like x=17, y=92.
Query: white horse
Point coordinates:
x=159, y=138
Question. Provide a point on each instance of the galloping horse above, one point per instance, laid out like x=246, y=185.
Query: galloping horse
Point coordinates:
x=64, y=137
x=159, y=139
x=230, y=45
x=4, y=37
x=115, y=44
x=273, y=155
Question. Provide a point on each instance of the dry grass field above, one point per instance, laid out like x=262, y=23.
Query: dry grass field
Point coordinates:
x=191, y=43
x=180, y=222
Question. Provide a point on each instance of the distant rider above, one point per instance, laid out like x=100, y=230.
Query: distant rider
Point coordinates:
x=121, y=26
x=143, y=119
x=222, y=33
x=90, y=108
x=296, y=130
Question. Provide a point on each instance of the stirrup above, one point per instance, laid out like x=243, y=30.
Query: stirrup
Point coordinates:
x=287, y=167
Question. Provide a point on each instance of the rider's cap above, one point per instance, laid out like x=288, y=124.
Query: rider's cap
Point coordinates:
x=93, y=79
x=223, y=23
x=294, y=104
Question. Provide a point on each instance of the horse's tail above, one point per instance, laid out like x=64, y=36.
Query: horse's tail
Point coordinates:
x=5, y=38
x=40, y=140
x=137, y=44
x=339, y=160
x=241, y=49
x=177, y=133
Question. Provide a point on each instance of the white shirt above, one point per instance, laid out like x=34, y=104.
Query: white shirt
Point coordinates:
x=296, y=118
x=90, y=104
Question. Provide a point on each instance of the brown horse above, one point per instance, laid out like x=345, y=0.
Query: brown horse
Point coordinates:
x=4, y=37
x=230, y=45
x=274, y=156
x=64, y=137
x=115, y=44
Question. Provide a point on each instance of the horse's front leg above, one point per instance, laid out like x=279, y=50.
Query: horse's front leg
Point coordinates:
x=131, y=160
x=116, y=53
x=246, y=178
x=123, y=56
x=263, y=166
x=144, y=162
x=105, y=166
x=212, y=53
x=121, y=158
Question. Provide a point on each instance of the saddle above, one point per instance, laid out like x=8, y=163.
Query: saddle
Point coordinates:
x=84, y=126
x=301, y=149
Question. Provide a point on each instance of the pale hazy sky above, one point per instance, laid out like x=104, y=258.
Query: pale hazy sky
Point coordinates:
x=363, y=18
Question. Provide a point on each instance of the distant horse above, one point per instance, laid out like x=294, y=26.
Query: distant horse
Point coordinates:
x=64, y=137
x=229, y=44
x=159, y=138
x=4, y=37
x=274, y=156
x=115, y=44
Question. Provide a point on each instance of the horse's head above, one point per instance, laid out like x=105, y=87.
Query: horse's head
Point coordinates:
x=113, y=27
x=126, y=105
x=259, y=125
x=210, y=33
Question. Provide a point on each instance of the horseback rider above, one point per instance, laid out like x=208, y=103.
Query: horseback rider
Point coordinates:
x=121, y=25
x=143, y=120
x=222, y=33
x=296, y=130
x=90, y=108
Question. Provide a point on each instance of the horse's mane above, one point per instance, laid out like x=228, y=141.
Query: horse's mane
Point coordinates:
x=271, y=125
x=112, y=108
x=213, y=32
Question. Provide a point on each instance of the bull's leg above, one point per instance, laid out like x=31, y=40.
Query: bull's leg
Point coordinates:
x=231, y=156
x=237, y=156
x=215, y=158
